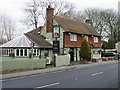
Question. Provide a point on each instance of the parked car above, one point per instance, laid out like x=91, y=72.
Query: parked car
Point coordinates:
x=111, y=54
x=118, y=56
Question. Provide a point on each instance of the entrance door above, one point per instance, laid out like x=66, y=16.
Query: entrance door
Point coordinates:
x=71, y=54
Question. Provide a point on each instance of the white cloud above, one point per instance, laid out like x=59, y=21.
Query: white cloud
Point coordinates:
x=104, y=4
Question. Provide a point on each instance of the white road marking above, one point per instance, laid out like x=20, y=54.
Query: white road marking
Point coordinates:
x=47, y=85
x=100, y=72
x=97, y=73
x=94, y=74
x=76, y=78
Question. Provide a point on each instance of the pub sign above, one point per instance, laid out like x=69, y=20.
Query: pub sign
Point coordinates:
x=56, y=31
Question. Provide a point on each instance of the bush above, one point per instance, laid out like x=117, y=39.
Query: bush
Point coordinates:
x=30, y=55
x=12, y=54
x=39, y=56
x=110, y=44
x=85, y=50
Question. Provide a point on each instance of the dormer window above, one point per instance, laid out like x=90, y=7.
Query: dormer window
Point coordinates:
x=73, y=37
x=95, y=39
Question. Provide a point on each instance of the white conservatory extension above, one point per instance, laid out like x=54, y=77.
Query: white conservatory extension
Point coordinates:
x=24, y=44
x=21, y=46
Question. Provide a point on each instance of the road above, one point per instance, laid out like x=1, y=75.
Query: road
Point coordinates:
x=104, y=76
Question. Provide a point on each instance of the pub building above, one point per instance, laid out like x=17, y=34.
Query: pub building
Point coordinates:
x=59, y=35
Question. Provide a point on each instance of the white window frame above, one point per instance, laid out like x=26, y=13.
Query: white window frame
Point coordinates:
x=86, y=38
x=96, y=39
x=73, y=37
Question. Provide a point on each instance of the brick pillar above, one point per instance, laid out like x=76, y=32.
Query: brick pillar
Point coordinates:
x=49, y=19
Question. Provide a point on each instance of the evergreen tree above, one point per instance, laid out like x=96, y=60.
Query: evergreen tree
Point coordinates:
x=85, y=50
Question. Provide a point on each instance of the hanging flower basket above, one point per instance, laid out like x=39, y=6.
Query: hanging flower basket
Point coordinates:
x=46, y=54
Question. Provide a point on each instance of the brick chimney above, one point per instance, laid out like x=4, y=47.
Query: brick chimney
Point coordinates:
x=49, y=19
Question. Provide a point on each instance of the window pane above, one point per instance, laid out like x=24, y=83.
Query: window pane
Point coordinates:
x=21, y=52
x=73, y=37
x=25, y=52
x=95, y=39
x=17, y=52
x=37, y=52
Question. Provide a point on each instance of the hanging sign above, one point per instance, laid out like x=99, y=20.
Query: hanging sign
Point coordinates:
x=55, y=47
x=56, y=31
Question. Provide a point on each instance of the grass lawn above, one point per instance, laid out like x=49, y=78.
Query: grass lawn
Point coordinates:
x=14, y=71
x=18, y=70
x=23, y=70
x=49, y=66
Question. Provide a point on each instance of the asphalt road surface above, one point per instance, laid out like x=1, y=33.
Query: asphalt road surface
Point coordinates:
x=104, y=76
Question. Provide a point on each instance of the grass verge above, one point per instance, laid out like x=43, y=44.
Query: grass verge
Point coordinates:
x=23, y=70
x=49, y=66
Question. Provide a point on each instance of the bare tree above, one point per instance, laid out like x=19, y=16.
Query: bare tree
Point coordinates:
x=110, y=19
x=36, y=10
x=103, y=21
x=32, y=12
x=72, y=14
x=1, y=30
x=7, y=28
x=118, y=31
x=97, y=21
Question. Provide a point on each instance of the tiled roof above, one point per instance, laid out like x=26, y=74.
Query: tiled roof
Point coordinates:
x=38, y=39
x=70, y=25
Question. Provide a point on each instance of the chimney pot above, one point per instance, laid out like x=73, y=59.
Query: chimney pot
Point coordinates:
x=88, y=21
x=49, y=6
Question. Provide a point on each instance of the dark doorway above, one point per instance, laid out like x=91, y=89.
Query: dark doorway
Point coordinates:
x=71, y=54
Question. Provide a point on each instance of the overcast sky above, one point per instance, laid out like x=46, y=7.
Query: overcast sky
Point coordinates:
x=14, y=7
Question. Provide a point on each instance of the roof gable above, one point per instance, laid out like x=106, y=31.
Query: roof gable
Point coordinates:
x=38, y=39
x=70, y=25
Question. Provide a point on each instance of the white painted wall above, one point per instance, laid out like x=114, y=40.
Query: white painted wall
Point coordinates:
x=118, y=47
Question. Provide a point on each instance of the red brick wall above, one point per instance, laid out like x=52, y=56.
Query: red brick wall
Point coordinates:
x=96, y=44
x=68, y=43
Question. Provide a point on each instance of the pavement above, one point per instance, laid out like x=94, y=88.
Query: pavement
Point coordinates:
x=54, y=69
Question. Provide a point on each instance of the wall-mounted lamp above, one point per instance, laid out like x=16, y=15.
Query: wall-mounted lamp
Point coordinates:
x=38, y=32
x=82, y=35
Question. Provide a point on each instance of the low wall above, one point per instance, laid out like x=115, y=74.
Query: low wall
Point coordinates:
x=118, y=47
x=62, y=60
x=96, y=56
x=22, y=64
